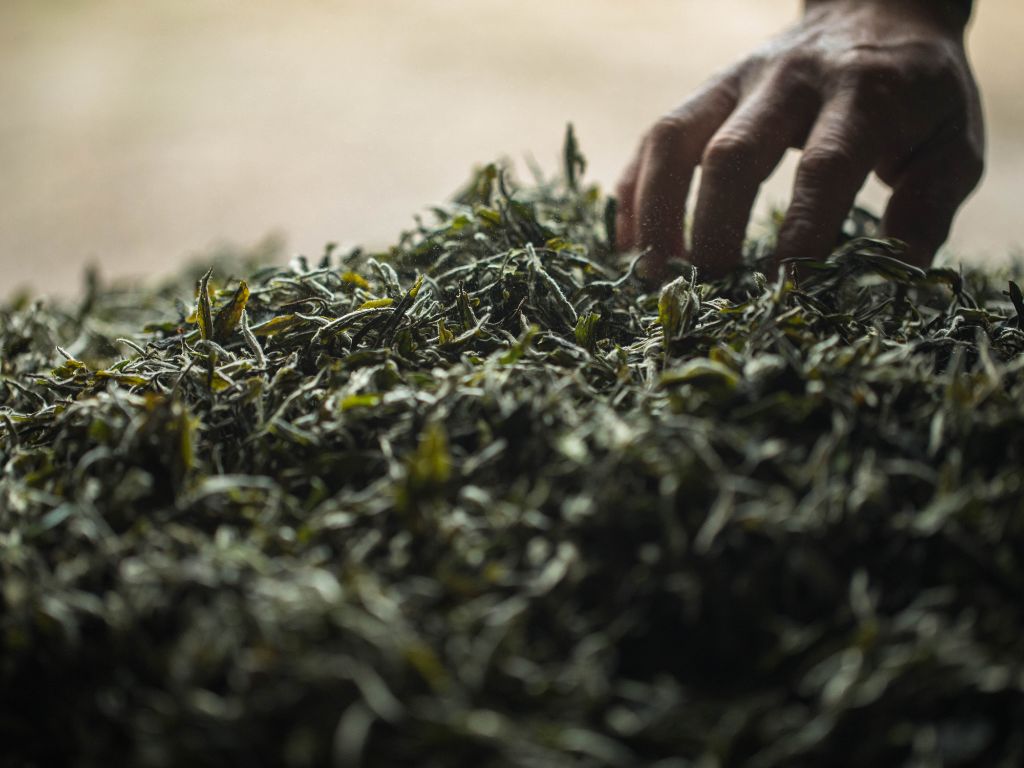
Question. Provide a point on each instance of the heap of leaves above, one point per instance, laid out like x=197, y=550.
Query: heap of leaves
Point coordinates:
x=483, y=500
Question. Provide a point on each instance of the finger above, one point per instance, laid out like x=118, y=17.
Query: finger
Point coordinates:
x=671, y=153
x=738, y=159
x=625, y=219
x=928, y=195
x=838, y=156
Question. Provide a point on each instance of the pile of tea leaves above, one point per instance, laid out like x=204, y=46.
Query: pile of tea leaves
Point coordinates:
x=486, y=500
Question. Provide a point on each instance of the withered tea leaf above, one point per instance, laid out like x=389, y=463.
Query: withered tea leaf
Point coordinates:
x=485, y=499
x=229, y=315
x=204, y=312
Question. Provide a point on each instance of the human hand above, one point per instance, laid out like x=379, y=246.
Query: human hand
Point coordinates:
x=861, y=86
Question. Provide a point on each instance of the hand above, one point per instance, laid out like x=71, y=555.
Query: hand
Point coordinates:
x=861, y=86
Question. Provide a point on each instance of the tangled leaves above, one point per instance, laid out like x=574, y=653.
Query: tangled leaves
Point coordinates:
x=482, y=500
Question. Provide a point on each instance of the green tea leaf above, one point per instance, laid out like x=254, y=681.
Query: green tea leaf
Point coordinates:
x=368, y=400
x=228, y=315
x=204, y=314
x=376, y=303
x=586, y=331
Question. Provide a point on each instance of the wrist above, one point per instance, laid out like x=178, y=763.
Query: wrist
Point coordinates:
x=951, y=16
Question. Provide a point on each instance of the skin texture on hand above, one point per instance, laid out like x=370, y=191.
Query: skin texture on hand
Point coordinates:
x=860, y=86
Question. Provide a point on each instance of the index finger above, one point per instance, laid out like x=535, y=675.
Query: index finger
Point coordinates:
x=670, y=155
x=836, y=161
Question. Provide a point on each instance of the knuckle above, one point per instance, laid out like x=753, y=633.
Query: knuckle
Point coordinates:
x=867, y=63
x=821, y=165
x=876, y=77
x=799, y=234
x=931, y=71
x=729, y=154
x=754, y=63
x=963, y=173
x=933, y=60
x=936, y=73
x=801, y=215
x=795, y=80
x=798, y=69
x=665, y=134
x=801, y=88
x=973, y=169
x=879, y=84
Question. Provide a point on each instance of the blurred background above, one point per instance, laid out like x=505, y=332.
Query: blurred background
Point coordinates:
x=135, y=135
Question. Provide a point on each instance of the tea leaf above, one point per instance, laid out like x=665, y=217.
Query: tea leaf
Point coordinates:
x=228, y=316
x=204, y=315
x=586, y=331
x=376, y=303
x=483, y=498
